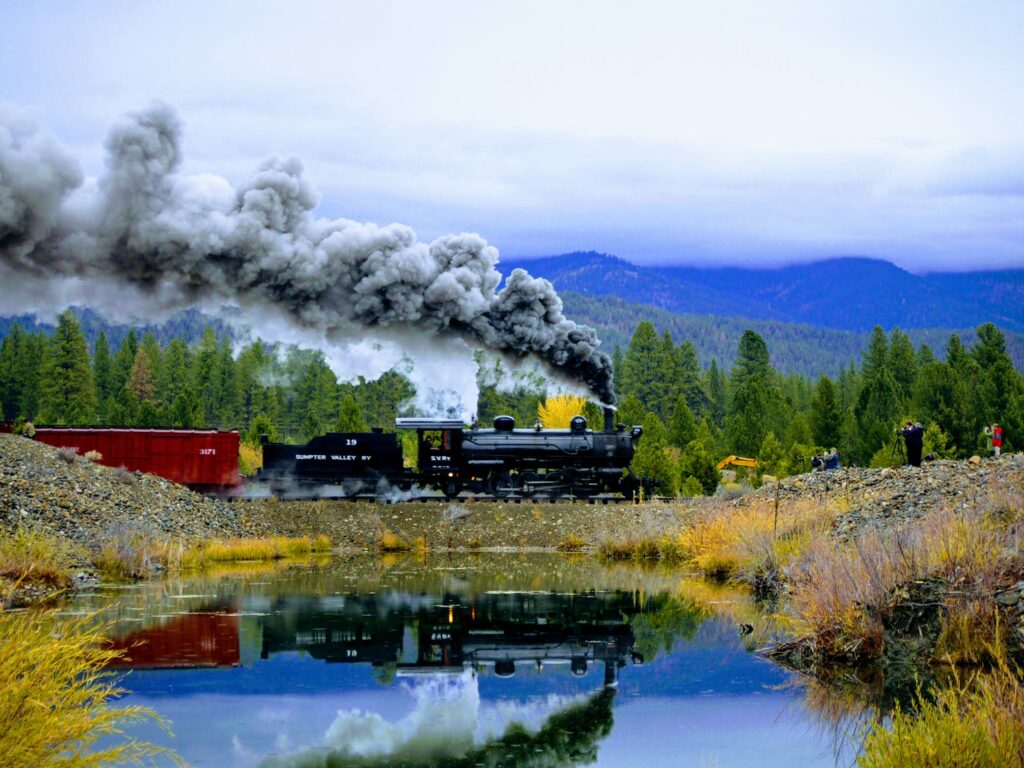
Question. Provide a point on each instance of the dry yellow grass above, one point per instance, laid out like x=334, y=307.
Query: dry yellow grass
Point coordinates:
x=571, y=543
x=29, y=556
x=235, y=550
x=391, y=542
x=975, y=724
x=840, y=593
x=752, y=542
x=55, y=707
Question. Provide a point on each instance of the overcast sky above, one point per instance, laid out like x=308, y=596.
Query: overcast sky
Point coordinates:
x=662, y=132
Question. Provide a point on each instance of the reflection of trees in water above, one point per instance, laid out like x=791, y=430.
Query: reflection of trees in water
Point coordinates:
x=569, y=737
x=665, y=619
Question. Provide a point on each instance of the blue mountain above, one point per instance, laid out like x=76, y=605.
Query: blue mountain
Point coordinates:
x=851, y=293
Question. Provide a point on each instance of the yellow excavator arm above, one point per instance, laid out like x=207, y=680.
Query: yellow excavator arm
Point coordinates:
x=737, y=461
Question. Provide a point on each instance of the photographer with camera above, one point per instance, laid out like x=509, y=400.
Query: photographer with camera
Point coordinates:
x=913, y=436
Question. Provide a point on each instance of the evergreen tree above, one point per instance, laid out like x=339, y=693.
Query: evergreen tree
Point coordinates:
x=652, y=460
x=876, y=358
x=997, y=380
x=350, y=418
x=771, y=456
x=34, y=351
x=175, y=374
x=68, y=395
x=941, y=398
x=826, y=418
x=641, y=368
x=879, y=403
x=12, y=361
x=925, y=356
x=682, y=429
x=123, y=361
x=101, y=372
x=631, y=411
x=263, y=425
x=697, y=464
x=902, y=362
x=206, y=378
x=717, y=392
x=753, y=396
x=691, y=382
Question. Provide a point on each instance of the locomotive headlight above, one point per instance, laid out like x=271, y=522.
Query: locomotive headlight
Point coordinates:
x=635, y=432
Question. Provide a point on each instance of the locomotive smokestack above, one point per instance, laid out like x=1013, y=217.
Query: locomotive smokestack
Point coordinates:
x=188, y=238
x=609, y=419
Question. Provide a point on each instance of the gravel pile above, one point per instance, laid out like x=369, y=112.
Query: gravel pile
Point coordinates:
x=67, y=495
x=872, y=498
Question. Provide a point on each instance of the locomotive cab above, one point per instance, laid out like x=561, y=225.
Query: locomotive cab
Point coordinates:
x=439, y=452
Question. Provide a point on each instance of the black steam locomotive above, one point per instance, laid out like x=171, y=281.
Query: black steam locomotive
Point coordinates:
x=500, y=462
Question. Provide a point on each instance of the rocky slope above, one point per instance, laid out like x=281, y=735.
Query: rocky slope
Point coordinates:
x=874, y=498
x=70, y=496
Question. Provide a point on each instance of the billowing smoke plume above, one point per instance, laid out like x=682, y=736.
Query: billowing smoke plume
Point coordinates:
x=192, y=238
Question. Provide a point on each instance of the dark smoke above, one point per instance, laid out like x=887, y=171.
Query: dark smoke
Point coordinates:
x=193, y=237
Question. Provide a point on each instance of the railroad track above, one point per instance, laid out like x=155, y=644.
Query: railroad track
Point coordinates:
x=468, y=498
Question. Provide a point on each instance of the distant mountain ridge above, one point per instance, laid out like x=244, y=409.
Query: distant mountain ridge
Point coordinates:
x=852, y=294
x=809, y=350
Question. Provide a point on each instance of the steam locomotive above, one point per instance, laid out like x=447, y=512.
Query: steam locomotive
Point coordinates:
x=502, y=461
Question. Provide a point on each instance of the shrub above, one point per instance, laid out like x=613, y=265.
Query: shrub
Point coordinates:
x=977, y=725
x=455, y=512
x=390, y=542
x=93, y=456
x=68, y=455
x=130, y=553
x=56, y=698
x=250, y=459
x=31, y=556
x=122, y=475
x=571, y=543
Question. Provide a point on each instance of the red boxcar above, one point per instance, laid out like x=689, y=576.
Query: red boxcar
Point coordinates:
x=203, y=459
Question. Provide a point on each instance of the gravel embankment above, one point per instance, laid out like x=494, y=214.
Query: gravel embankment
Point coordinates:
x=87, y=503
x=875, y=498
x=469, y=524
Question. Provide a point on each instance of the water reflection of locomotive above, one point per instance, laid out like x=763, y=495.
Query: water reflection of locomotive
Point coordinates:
x=502, y=461
x=430, y=633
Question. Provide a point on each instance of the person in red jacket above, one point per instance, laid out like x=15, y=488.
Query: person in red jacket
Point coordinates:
x=995, y=432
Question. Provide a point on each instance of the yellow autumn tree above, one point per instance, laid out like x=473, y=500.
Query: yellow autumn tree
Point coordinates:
x=555, y=412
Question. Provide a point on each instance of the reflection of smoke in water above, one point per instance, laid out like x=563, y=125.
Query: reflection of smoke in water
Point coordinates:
x=447, y=721
x=177, y=240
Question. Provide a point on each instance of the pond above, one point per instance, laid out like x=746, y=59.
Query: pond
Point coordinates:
x=485, y=660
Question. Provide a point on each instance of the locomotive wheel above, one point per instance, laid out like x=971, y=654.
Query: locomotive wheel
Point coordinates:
x=629, y=486
x=452, y=489
x=499, y=485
